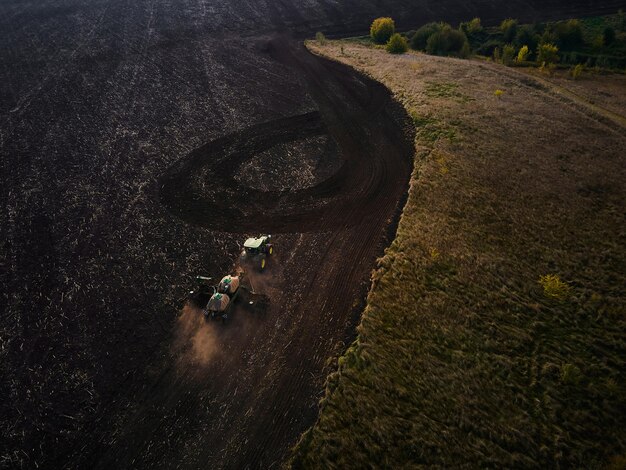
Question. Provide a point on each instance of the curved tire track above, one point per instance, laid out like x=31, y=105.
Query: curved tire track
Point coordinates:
x=202, y=190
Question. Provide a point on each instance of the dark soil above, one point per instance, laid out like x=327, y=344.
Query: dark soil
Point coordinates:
x=120, y=124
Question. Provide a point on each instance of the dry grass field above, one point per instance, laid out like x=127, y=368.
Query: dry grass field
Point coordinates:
x=467, y=355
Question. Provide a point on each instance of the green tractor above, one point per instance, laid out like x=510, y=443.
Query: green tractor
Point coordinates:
x=256, y=251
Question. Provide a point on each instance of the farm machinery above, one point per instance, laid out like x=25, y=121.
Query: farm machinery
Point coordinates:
x=218, y=301
x=255, y=252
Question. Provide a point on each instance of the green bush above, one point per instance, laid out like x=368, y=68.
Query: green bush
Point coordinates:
x=527, y=36
x=471, y=27
x=547, y=54
x=448, y=42
x=421, y=36
x=508, y=54
x=320, y=38
x=497, y=54
x=397, y=44
x=509, y=29
x=522, y=55
x=608, y=35
x=621, y=20
x=598, y=42
x=577, y=71
x=382, y=29
x=487, y=49
x=571, y=374
x=568, y=34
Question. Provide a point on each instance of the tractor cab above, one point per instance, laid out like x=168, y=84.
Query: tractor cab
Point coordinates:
x=255, y=252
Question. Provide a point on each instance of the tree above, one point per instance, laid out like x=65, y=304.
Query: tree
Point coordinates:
x=608, y=36
x=522, y=55
x=526, y=36
x=448, y=41
x=509, y=29
x=508, y=54
x=420, y=38
x=471, y=27
x=547, y=54
x=569, y=34
x=320, y=38
x=397, y=44
x=382, y=29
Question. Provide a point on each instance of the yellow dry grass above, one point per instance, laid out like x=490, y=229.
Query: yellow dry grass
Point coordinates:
x=461, y=359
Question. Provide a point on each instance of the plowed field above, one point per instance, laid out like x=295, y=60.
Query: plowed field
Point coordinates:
x=141, y=141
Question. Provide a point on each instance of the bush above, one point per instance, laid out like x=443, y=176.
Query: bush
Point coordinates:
x=421, y=36
x=382, y=29
x=598, y=42
x=471, y=27
x=577, y=71
x=608, y=35
x=320, y=38
x=509, y=29
x=547, y=54
x=508, y=54
x=526, y=36
x=497, y=54
x=447, y=42
x=570, y=58
x=522, y=55
x=621, y=20
x=569, y=34
x=553, y=287
x=397, y=44
x=571, y=374
x=487, y=49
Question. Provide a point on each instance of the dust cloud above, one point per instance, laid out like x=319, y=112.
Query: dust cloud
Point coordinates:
x=195, y=339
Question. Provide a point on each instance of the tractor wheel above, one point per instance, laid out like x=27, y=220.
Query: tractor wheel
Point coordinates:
x=262, y=263
x=270, y=249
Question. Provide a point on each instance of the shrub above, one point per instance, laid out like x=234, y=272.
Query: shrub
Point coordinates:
x=553, y=287
x=549, y=36
x=549, y=69
x=571, y=374
x=471, y=27
x=496, y=54
x=509, y=29
x=577, y=71
x=522, y=55
x=569, y=34
x=397, y=44
x=621, y=20
x=570, y=58
x=608, y=35
x=526, y=36
x=508, y=54
x=421, y=36
x=598, y=42
x=382, y=29
x=320, y=38
x=489, y=47
x=448, y=41
x=547, y=54
x=498, y=93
